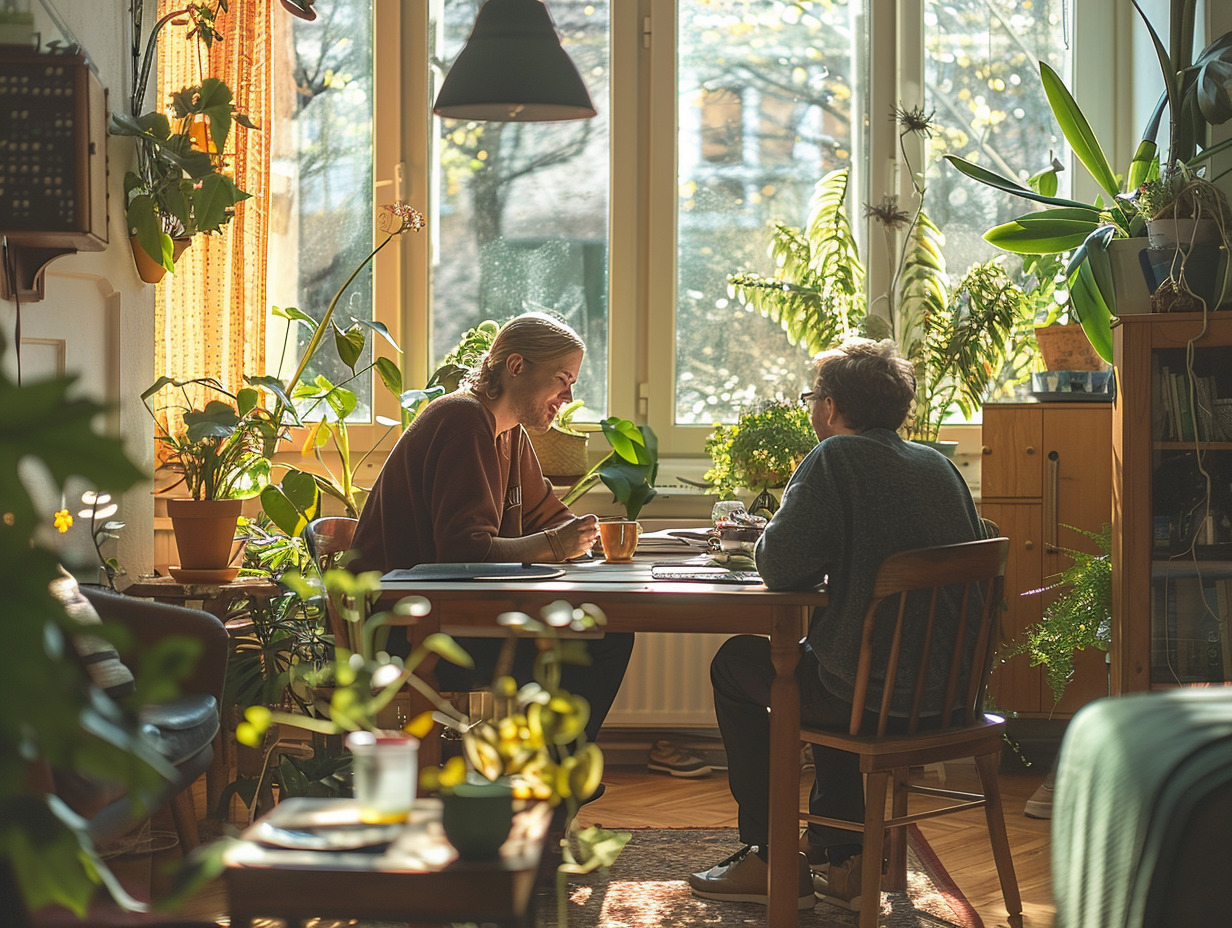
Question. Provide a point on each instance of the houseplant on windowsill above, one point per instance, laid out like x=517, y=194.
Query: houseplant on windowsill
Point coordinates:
x=561, y=448
x=628, y=470
x=759, y=452
x=958, y=338
x=179, y=187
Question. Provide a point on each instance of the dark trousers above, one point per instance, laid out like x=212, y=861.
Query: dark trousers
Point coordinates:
x=597, y=682
x=741, y=674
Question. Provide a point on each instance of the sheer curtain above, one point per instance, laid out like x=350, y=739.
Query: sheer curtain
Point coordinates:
x=210, y=314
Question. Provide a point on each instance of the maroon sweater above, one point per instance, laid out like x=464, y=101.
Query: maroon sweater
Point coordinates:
x=450, y=485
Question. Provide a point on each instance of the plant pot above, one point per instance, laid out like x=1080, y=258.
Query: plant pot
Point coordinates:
x=150, y=270
x=477, y=818
x=1067, y=348
x=1129, y=282
x=1164, y=233
x=1206, y=272
x=384, y=769
x=944, y=447
x=562, y=455
x=204, y=531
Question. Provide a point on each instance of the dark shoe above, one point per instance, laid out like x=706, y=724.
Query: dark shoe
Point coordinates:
x=816, y=856
x=1040, y=803
x=668, y=757
x=744, y=877
x=840, y=885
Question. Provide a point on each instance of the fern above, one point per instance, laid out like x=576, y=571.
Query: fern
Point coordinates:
x=817, y=295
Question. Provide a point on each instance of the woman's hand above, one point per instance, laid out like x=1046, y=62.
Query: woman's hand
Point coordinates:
x=574, y=538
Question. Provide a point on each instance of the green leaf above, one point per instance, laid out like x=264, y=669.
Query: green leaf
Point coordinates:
x=1077, y=131
x=1040, y=236
x=992, y=179
x=390, y=375
x=349, y=345
x=379, y=328
x=212, y=202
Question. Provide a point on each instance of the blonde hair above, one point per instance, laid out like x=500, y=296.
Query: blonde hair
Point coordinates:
x=537, y=337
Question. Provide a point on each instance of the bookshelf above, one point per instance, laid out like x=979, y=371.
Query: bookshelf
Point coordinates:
x=1172, y=502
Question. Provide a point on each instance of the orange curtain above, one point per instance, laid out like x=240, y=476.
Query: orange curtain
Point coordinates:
x=210, y=314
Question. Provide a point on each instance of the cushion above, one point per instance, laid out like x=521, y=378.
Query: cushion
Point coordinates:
x=102, y=661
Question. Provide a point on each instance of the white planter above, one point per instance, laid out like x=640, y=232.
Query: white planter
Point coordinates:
x=1129, y=281
x=1167, y=233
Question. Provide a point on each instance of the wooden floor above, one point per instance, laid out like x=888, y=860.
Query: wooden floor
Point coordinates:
x=636, y=798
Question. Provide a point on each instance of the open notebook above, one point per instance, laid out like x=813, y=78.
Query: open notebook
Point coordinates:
x=498, y=571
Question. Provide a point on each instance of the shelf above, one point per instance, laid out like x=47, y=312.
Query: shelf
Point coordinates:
x=1191, y=445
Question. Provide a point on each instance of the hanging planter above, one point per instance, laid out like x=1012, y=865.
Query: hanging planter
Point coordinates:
x=150, y=270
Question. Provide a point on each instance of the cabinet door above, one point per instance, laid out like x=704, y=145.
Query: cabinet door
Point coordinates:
x=1012, y=436
x=1015, y=685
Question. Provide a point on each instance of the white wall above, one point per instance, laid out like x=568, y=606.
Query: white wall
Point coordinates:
x=97, y=318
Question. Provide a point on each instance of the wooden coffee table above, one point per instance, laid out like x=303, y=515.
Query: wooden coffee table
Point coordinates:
x=415, y=879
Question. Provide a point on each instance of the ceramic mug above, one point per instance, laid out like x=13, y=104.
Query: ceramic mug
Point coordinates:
x=619, y=539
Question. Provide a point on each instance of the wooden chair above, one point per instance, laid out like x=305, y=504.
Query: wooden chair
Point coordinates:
x=977, y=569
x=328, y=538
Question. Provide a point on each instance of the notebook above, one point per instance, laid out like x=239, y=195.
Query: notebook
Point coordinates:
x=704, y=574
x=498, y=571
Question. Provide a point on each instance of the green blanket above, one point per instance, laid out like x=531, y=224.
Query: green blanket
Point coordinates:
x=1132, y=772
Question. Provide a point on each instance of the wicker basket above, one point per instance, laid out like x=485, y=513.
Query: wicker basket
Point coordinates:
x=562, y=455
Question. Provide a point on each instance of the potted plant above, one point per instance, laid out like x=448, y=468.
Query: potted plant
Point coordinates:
x=628, y=470
x=179, y=187
x=222, y=454
x=759, y=452
x=1079, y=618
x=1194, y=99
x=957, y=338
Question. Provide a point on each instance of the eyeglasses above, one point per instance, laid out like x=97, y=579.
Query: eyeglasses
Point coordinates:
x=807, y=399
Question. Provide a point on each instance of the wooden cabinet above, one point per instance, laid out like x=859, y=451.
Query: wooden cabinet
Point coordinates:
x=1045, y=466
x=1172, y=495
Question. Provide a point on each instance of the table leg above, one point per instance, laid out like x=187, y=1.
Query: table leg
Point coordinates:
x=784, y=764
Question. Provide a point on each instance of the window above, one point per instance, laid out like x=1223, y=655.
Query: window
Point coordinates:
x=715, y=118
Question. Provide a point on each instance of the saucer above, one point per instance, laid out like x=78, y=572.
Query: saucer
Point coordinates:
x=221, y=575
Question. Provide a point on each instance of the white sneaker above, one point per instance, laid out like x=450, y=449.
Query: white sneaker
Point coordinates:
x=1040, y=803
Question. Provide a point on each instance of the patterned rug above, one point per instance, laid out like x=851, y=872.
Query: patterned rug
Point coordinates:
x=646, y=888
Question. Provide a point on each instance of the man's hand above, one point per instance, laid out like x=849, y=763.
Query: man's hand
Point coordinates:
x=574, y=538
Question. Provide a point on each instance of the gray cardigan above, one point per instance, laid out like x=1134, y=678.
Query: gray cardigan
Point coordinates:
x=852, y=502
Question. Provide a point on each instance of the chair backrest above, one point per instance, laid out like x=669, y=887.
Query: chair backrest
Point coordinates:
x=328, y=538
x=971, y=574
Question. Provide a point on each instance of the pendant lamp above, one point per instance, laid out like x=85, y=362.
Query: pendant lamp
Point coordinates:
x=512, y=69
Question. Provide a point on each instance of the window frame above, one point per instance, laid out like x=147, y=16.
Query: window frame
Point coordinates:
x=642, y=230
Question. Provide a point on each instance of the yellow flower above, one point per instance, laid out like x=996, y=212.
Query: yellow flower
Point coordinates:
x=64, y=521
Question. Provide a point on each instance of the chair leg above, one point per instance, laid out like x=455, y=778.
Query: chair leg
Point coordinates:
x=184, y=814
x=896, y=873
x=997, y=836
x=875, y=788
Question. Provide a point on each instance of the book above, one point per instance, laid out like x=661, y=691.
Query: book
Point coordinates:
x=1186, y=607
x=1180, y=388
x=1168, y=404
x=1223, y=594
x=1203, y=409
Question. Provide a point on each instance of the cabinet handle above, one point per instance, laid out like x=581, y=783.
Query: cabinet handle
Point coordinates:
x=1051, y=487
x=1030, y=449
x=986, y=450
x=1029, y=545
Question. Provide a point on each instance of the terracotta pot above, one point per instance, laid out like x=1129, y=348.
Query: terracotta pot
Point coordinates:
x=1067, y=348
x=204, y=531
x=150, y=270
x=562, y=455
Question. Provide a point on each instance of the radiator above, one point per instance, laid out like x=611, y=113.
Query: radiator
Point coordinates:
x=668, y=683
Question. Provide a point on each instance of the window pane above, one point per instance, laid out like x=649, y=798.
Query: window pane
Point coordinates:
x=321, y=183
x=765, y=109
x=982, y=83
x=522, y=208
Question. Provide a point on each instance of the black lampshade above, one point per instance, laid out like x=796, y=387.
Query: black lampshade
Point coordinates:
x=513, y=69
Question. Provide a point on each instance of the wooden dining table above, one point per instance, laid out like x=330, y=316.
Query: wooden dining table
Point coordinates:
x=633, y=601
